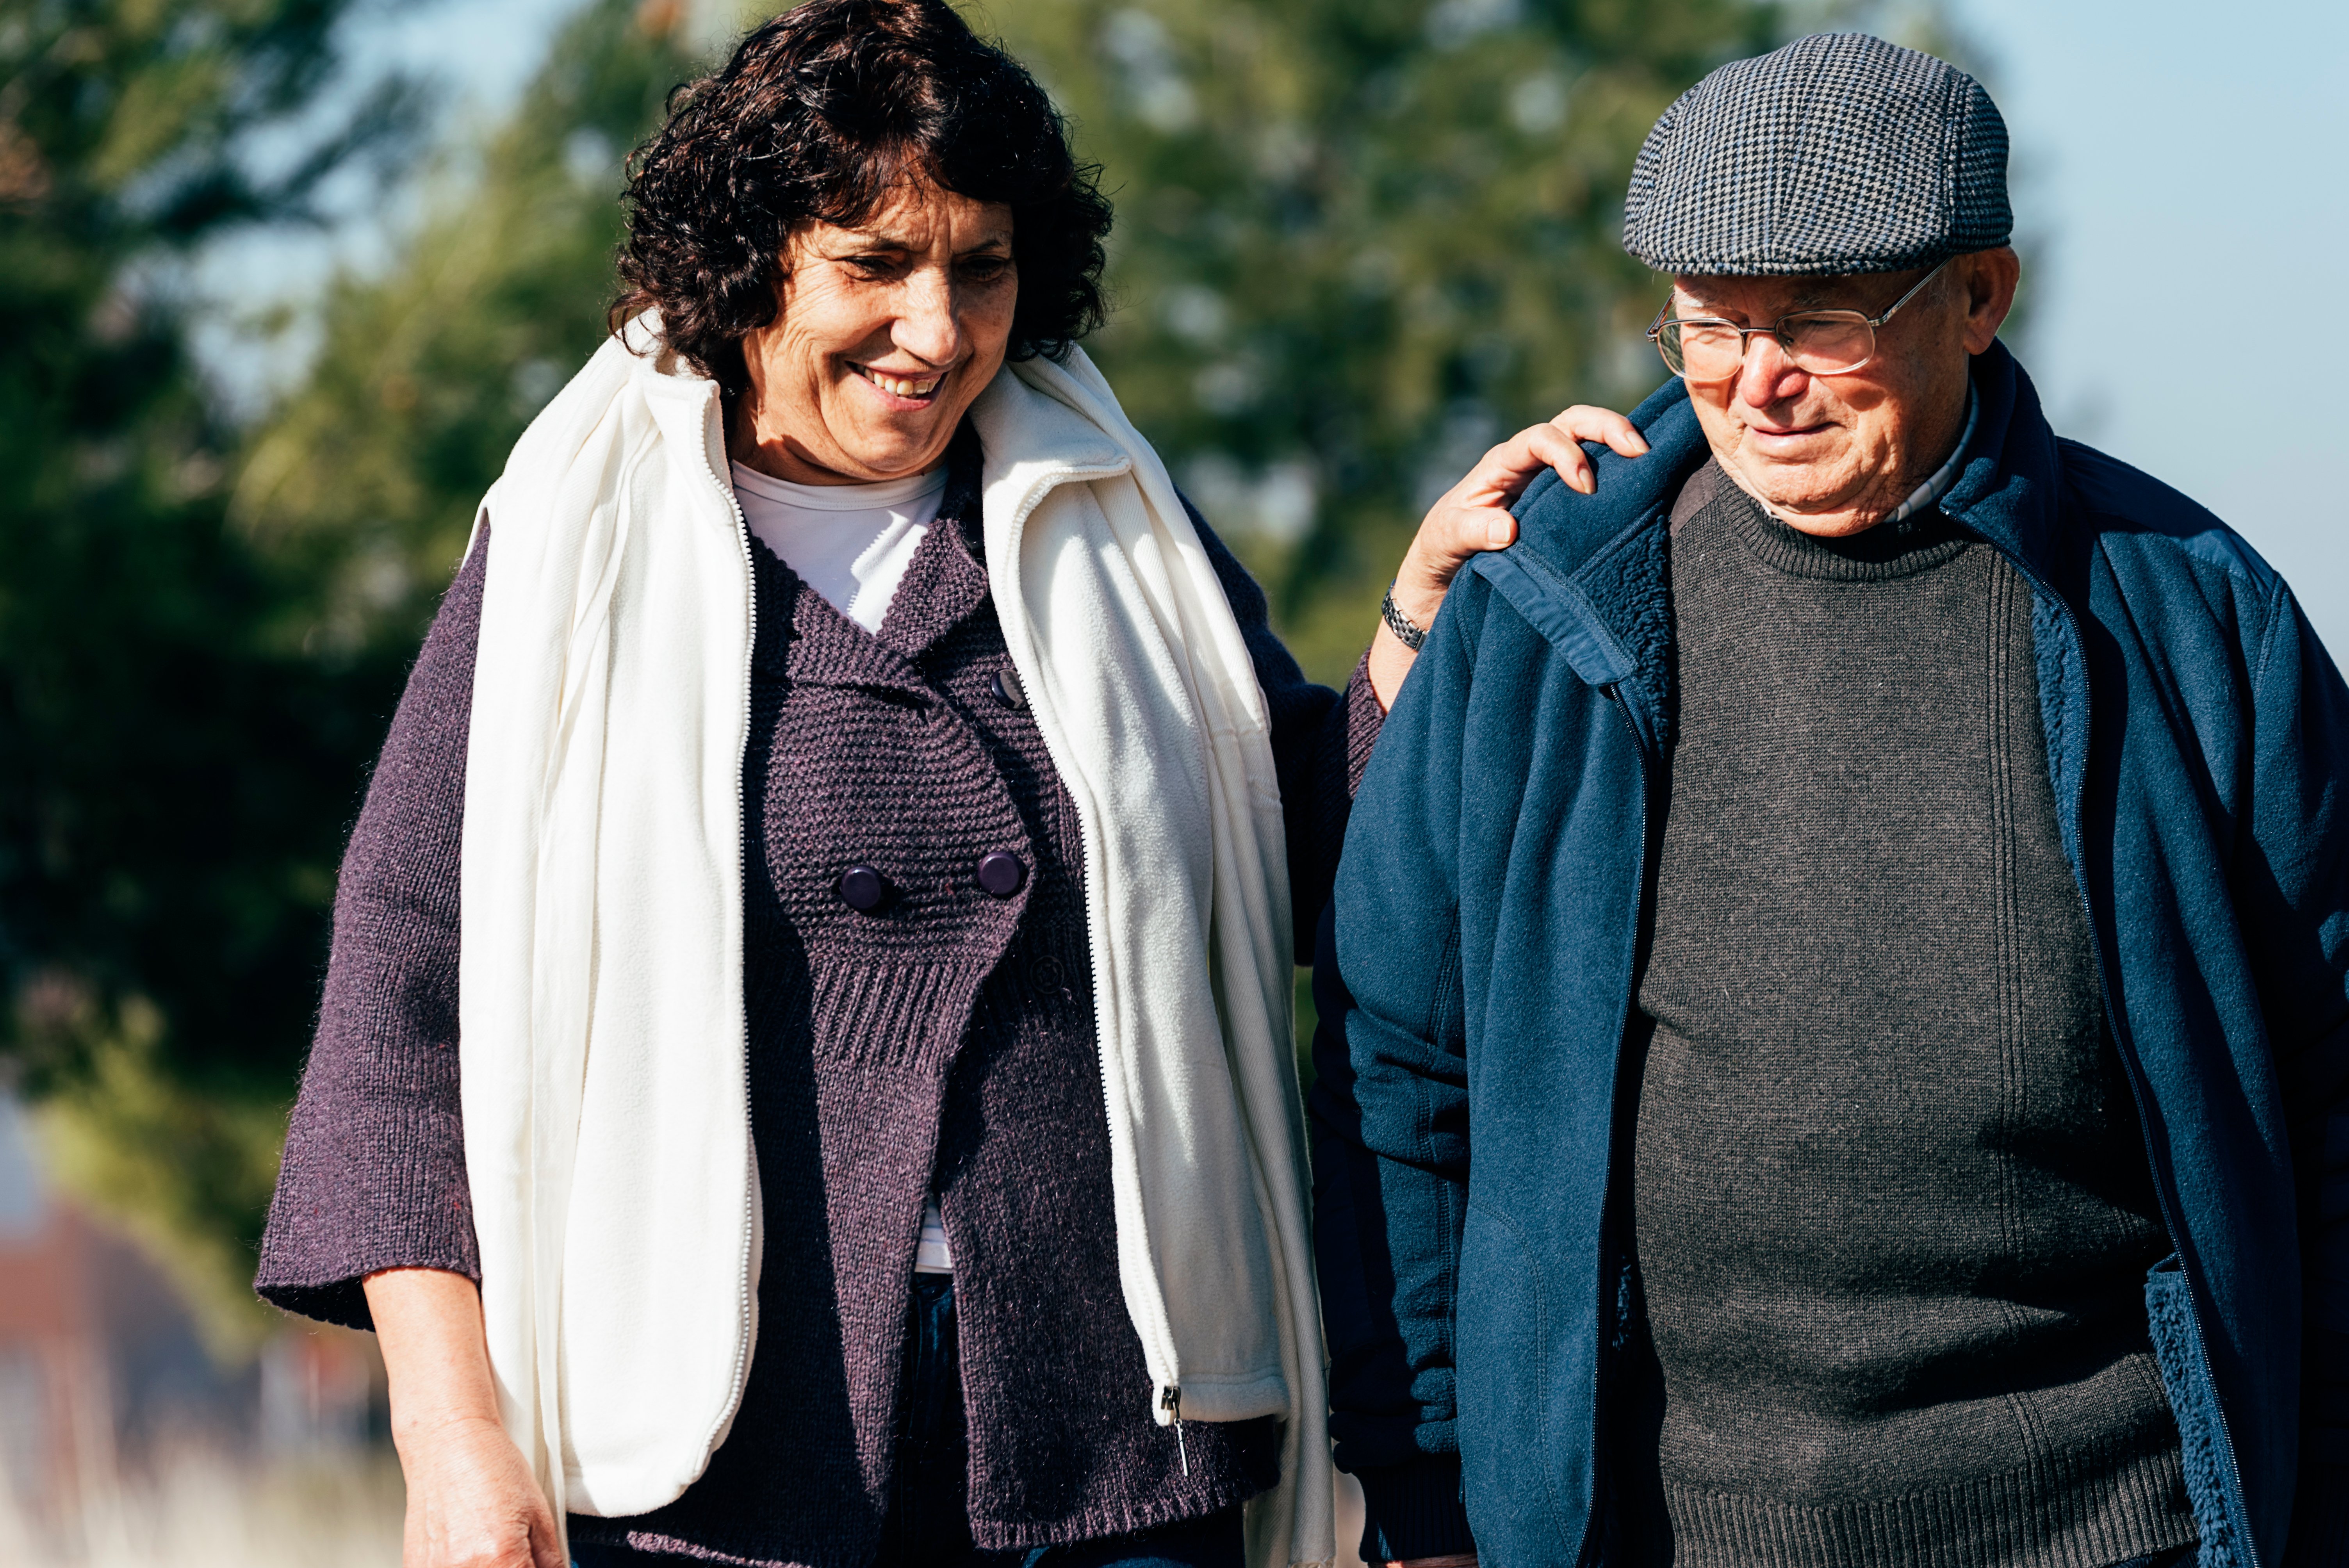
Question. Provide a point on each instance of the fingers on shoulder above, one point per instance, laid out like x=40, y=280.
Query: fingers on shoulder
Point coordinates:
x=1586, y=422
x=1551, y=446
x=1546, y=445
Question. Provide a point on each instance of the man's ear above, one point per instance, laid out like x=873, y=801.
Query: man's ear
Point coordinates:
x=1990, y=278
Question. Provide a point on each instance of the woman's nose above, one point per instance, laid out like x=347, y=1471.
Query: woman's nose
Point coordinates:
x=929, y=328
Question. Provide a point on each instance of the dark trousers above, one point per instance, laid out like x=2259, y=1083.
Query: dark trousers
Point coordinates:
x=928, y=1523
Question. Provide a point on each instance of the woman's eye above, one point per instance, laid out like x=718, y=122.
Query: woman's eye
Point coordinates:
x=986, y=269
x=872, y=267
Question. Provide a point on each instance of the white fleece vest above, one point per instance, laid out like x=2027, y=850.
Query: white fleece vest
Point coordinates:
x=606, y=1115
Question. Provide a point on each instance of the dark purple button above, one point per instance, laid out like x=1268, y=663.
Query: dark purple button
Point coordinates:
x=1001, y=873
x=1005, y=684
x=861, y=888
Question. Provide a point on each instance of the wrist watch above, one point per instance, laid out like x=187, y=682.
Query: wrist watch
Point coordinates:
x=1411, y=637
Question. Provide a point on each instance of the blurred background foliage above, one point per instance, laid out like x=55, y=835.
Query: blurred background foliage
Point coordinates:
x=1361, y=241
x=173, y=786
x=1358, y=242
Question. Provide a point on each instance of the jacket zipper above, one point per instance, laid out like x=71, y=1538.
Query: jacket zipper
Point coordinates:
x=751, y=635
x=1170, y=1400
x=1170, y=1393
x=1613, y=693
x=2127, y=1046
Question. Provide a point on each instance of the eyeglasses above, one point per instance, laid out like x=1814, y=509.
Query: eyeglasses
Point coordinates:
x=1703, y=348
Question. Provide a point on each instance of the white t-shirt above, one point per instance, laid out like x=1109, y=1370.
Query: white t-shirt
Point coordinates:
x=850, y=544
x=931, y=1254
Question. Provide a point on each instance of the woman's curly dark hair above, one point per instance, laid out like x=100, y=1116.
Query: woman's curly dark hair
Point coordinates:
x=818, y=115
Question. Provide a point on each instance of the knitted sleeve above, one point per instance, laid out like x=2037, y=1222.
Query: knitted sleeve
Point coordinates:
x=374, y=1174
x=1321, y=740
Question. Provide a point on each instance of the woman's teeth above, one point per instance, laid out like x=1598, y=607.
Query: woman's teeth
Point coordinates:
x=902, y=388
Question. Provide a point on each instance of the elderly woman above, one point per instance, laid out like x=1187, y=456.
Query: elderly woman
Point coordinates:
x=857, y=818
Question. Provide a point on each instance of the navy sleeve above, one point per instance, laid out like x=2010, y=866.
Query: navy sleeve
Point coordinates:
x=374, y=1174
x=1390, y=1110
x=1321, y=740
x=2295, y=903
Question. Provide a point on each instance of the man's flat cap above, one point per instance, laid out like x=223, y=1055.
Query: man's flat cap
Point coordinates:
x=1838, y=153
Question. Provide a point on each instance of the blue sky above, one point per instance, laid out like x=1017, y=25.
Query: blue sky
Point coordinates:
x=2184, y=212
x=2181, y=198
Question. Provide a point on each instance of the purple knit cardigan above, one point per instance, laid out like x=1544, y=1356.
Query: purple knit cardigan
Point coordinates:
x=945, y=1037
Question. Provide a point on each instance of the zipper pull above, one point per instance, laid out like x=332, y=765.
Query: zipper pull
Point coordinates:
x=1170, y=1398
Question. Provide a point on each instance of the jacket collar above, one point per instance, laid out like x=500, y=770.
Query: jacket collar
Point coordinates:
x=1591, y=572
x=2011, y=486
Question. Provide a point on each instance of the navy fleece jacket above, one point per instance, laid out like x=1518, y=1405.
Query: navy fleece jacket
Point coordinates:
x=1488, y=932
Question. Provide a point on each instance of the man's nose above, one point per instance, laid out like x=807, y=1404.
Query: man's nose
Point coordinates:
x=1768, y=377
x=928, y=327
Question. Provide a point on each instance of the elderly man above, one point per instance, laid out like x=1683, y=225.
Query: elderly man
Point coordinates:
x=1835, y=1042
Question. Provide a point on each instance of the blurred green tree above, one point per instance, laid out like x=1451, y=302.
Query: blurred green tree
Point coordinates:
x=172, y=790
x=202, y=639
x=1358, y=241
x=363, y=482
x=1357, y=244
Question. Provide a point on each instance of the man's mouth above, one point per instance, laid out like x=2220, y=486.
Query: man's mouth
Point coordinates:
x=910, y=387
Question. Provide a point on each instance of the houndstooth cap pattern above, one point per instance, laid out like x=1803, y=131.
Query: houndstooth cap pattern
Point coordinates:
x=1838, y=153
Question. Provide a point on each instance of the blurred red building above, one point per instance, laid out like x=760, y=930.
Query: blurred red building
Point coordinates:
x=104, y=1379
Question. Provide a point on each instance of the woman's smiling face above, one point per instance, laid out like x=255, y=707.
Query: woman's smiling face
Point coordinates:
x=888, y=330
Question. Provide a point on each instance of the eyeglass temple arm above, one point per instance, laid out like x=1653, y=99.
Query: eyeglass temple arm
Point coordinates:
x=1890, y=309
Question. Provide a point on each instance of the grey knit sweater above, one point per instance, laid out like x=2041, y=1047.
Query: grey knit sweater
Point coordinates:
x=1893, y=1208
x=944, y=1039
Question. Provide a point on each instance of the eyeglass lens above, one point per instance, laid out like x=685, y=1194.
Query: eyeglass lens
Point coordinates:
x=1824, y=344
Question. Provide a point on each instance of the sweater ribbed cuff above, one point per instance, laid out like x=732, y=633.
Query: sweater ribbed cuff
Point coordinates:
x=1364, y=720
x=1413, y=1511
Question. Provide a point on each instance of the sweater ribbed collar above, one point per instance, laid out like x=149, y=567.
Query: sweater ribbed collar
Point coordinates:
x=1916, y=543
